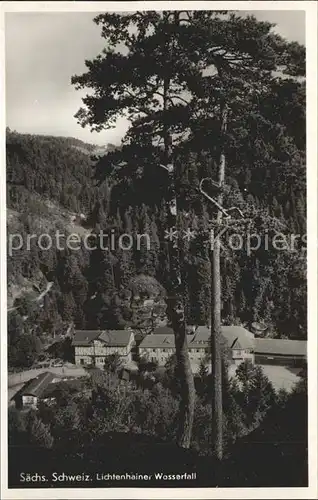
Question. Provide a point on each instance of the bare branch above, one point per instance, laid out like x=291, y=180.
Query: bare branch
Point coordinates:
x=177, y=97
x=224, y=212
x=232, y=209
x=169, y=167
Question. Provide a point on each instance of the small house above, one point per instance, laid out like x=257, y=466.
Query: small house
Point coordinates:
x=33, y=390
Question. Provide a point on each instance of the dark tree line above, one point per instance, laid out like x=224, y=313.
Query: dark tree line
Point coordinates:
x=95, y=425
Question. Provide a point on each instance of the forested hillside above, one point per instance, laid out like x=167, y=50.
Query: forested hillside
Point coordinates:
x=55, y=168
x=51, y=178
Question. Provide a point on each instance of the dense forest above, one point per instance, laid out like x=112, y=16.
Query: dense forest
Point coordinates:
x=89, y=286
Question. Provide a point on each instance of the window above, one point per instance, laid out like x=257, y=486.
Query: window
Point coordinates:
x=154, y=350
x=163, y=350
x=82, y=361
x=28, y=400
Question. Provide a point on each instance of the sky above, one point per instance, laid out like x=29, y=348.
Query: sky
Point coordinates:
x=43, y=51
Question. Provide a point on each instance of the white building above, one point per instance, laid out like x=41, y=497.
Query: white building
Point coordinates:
x=240, y=341
x=157, y=348
x=161, y=344
x=92, y=346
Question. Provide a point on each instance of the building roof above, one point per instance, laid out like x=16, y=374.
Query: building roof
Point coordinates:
x=202, y=334
x=116, y=338
x=168, y=341
x=238, y=337
x=235, y=336
x=158, y=341
x=113, y=338
x=85, y=337
x=37, y=386
x=285, y=347
x=238, y=330
x=238, y=345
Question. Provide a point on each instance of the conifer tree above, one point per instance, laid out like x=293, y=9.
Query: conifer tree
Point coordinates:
x=178, y=73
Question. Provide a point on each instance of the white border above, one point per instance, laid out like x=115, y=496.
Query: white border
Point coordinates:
x=145, y=493
x=88, y=6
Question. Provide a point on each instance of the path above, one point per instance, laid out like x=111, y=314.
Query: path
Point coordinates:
x=67, y=370
x=39, y=297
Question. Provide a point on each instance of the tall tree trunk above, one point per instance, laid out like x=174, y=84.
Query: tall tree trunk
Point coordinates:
x=216, y=345
x=176, y=312
x=175, y=300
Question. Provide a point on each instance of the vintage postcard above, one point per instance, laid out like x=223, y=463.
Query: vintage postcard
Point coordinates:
x=159, y=277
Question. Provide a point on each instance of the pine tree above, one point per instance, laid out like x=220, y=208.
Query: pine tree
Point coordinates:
x=165, y=41
x=181, y=72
